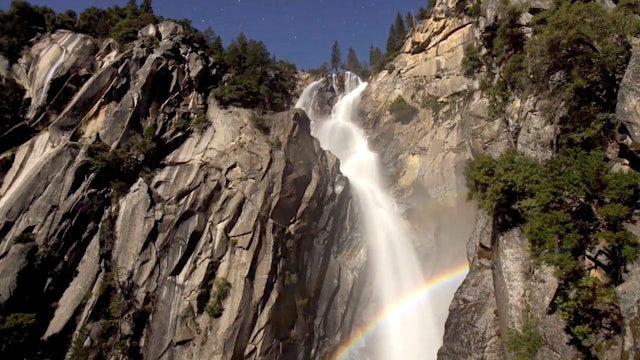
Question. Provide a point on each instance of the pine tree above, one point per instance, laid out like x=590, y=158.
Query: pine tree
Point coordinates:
x=410, y=21
x=353, y=64
x=336, y=56
x=146, y=7
x=401, y=31
x=392, y=40
x=365, y=70
x=376, y=59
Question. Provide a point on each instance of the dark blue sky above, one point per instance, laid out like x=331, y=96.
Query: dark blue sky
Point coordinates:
x=301, y=31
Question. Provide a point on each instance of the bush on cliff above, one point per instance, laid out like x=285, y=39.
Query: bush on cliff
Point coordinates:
x=568, y=206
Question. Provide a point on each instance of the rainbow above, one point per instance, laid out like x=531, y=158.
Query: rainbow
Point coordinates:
x=406, y=301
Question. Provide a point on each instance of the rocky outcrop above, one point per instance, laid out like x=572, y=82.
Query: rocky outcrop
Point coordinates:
x=426, y=156
x=215, y=244
x=628, y=105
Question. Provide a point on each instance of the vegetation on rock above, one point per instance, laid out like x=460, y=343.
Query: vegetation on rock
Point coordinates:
x=255, y=78
x=221, y=290
x=573, y=207
x=122, y=166
x=525, y=343
x=401, y=110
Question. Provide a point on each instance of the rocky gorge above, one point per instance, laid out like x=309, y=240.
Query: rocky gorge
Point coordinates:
x=141, y=219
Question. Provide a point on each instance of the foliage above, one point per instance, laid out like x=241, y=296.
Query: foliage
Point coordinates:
x=396, y=37
x=376, y=59
x=392, y=40
x=11, y=104
x=336, y=56
x=78, y=351
x=290, y=278
x=431, y=102
x=475, y=9
x=424, y=12
x=18, y=25
x=391, y=68
x=410, y=21
x=509, y=38
x=126, y=30
x=16, y=331
x=201, y=123
x=125, y=163
x=524, y=344
x=222, y=289
x=25, y=238
x=353, y=64
x=401, y=110
x=400, y=31
x=579, y=53
x=567, y=206
x=587, y=306
x=257, y=80
x=471, y=61
x=323, y=69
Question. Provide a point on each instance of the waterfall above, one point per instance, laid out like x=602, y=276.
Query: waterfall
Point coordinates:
x=410, y=332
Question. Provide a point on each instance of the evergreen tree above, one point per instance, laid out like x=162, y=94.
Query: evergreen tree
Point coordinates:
x=96, y=22
x=18, y=25
x=336, y=56
x=323, y=69
x=213, y=45
x=146, y=7
x=376, y=59
x=353, y=64
x=365, y=70
x=400, y=30
x=392, y=40
x=410, y=21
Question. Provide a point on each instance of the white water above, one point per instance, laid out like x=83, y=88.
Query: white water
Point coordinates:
x=410, y=333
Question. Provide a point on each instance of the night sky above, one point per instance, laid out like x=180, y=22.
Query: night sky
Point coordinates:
x=301, y=31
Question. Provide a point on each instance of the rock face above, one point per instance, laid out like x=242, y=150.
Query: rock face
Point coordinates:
x=425, y=155
x=219, y=244
x=628, y=106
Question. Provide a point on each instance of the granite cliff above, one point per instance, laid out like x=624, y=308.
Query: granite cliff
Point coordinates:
x=138, y=218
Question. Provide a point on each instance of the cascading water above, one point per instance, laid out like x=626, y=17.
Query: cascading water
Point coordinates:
x=409, y=331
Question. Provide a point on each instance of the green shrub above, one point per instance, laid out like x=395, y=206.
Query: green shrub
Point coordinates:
x=509, y=39
x=25, y=238
x=567, y=206
x=16, y=330
x=475, y=9
x=391, y=68
x=122, y=166
x=78, y=351
x=290, y=278
x=401, y=110
x=515, y=74
x=587, y=307
x=582, y=64
x=572, y=203
x=471, y=61
x=431, y=102
x=524, y=344
x=221, y=291
x=201, y=123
